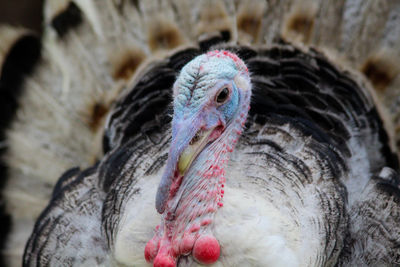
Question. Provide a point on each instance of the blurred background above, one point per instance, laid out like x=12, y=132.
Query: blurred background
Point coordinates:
x=26, y=13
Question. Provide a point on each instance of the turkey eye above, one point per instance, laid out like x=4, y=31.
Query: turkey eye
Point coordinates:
x=222, y=95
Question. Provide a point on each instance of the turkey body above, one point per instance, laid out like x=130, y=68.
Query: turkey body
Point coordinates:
x=313, y=179
x=313, y=148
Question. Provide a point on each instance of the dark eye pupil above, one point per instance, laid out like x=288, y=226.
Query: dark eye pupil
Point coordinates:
x=223, y=95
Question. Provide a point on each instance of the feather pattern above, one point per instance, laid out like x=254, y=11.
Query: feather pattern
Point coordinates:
x=313, y=180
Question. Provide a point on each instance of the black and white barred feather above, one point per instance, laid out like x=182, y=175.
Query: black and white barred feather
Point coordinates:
x=317, y=153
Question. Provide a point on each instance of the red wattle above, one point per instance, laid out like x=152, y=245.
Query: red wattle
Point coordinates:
x=151, y=249
x=187, y=244
x=164, y=261
x=206, y=250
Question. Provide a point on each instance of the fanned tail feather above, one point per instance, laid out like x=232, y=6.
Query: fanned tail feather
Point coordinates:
x=91, y=50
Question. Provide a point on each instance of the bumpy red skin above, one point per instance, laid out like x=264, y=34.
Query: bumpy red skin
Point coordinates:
x=206, y=250
x=151, y=249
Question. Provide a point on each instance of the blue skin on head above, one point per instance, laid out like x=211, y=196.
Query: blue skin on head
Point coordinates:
x=198, y=81
x=195, y=108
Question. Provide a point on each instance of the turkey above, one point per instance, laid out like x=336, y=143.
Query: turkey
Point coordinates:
x=203, y=133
